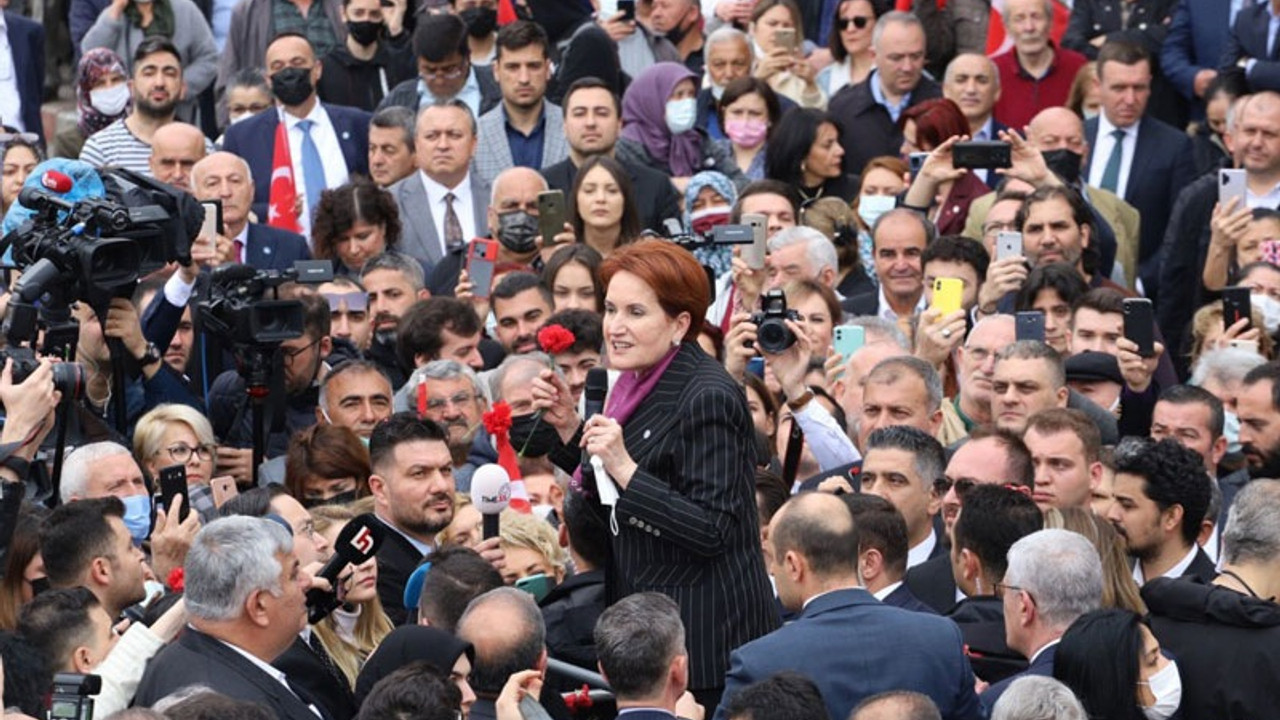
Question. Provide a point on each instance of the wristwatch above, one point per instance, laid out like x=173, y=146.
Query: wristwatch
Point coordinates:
x=151, y=356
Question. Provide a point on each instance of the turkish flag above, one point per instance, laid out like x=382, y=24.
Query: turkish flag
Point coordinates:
x=506, y=13
x=997, y=41
x=284, y=193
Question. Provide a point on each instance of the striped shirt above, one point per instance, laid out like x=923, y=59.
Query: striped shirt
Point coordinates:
x=117, y=146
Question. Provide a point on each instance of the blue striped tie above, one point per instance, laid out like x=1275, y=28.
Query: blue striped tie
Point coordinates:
x=312, y=167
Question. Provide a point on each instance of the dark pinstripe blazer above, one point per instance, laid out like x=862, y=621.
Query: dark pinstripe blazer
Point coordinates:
x=687, y=522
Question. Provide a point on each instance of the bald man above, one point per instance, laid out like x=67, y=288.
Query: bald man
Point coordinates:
x=973, y=83
x=175, y=149
x=226, y=177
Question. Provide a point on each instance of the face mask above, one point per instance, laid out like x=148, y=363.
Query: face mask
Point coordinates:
x=681, y=115
x=137, y=517
x=237, y=118
x=480, y=21
x=110, y=101
x=1089, y=114
x=365, y=32
x=536, y=436
x=339, y=499
x=1065, y=163
x=518, y=231
x=717, y=91
x=871, y=207
x=1231, y=430
x=292, y=85
x=676, y=34
x=1166, y=686
x=702, y=221
x=746, y=133
x=1270, y=309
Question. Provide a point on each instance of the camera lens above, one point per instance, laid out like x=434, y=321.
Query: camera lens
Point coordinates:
x=68, y=378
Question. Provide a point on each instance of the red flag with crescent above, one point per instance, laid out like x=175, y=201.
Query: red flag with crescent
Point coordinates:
x=284, y=193
x=997, y=40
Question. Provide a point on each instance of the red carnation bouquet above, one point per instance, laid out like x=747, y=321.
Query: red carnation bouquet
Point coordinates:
x=497, y=422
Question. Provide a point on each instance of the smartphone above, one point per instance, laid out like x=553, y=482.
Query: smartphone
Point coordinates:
x=536, y=585
x=223, y=489
x=1008, y=244
x=732, y=235
x=753, y=255
x=1236, y=306
x=173, y=482
x=1139, y=325
x=551, y=214
x=982, y=155
x=212, y=225
x=481, y=256
x=755, y=366
x=785, y=38
x=915, y=161
x=628, y=9
x=1029, y=325
x=849, y=339
x=947, y=294
x=1232, y=184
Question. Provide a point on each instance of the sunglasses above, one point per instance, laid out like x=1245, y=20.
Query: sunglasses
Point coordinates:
x=858, y=21
x=962, y=486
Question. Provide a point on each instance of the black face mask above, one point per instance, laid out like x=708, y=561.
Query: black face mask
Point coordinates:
x=365, y=32
x=676, y=34
x=292, y=85
x=518, y=231
x=1064, y=163
x=481, y=21
x=535, y=435
x=339, y=499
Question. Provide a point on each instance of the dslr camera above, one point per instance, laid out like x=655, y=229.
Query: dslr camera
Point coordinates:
x=772, y=334
x=72, y=696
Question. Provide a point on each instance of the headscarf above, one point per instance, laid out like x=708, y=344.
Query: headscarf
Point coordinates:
x=95, y=65
x=644, y=118
x=718, y=257
x=406, y=644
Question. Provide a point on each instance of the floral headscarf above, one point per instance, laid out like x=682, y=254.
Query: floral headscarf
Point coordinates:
x=95, y=65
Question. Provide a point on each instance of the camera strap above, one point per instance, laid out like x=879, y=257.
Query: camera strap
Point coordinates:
x=791, y=462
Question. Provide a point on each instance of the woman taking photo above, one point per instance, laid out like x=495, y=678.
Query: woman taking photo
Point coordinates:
x=748, y=111
x=603, y=206
x=780, y=62
x=175, y=434
x=353, y=223
x=708, y=203
x=1113, y=663
x=850, y=46
x=676, y=438
x=806, y=154
x=933, y=126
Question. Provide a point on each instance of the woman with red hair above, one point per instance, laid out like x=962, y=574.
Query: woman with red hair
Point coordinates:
x=940, y=190
x=676, y=437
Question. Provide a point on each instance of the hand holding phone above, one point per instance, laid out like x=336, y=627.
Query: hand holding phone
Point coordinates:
x=1029, y=325
x=482, y=255
x=948, y=294
x=173, y=482
x=1139, y=325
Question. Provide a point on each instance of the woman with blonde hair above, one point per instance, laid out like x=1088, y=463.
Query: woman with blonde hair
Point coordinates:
x=532, y=547
x=1208, y=333
x=351, y=632
x=176, y=434
x=1118, y=588
x=464, y=529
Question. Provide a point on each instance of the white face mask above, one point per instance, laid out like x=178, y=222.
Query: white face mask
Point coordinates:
x=242, y=116
x=681, y=115
x=871, y=207
x=110, y=101
x=1231, y=430
x=1270, y=309
x=717, y=91
x=1089, y=114
x=1166, y=686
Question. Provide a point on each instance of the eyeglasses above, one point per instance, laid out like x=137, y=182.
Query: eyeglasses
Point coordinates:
x=1002, y=588
x=858, y=21
x=182, y=452
x=458, y=399
x=451, y=72
x=291, y=353
x=307, y=528
x=962, y=486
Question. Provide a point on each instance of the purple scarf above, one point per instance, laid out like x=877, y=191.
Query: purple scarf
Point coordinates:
x=644, y=118
x=630, y=389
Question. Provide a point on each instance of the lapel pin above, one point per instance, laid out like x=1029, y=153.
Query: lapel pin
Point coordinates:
x=346, y=135
x=266, y=251
x=647, y=433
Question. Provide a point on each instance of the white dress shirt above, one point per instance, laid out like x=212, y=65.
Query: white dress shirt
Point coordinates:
x=921, y=552
x=463, y=205
x=273, y=672
x=1102, y=153
x=830, y=446
x=10, y=100
x=1174, y=572
x=325, y=137
x=885, y=311
x=886, y=591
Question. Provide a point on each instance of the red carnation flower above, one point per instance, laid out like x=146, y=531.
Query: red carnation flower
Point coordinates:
x=498, y=420
x=555, y=339
x=176, y=580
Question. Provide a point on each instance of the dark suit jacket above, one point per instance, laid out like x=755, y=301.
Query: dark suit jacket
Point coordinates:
x=397, y=559
x=26, y=42
x=1182, y=258
x=1248, y=39
x=687, y=525
x=903, y=598
x=275, y=249
x=932, y=582
x=867, y=303
x=1163, y=164
x=655, y=195
x=306, y=670
x=255, y=138
x=841, y=634
x=1194, y=42
x=868, y=130
x=199, y=659
x=406, y=93
x=1043, y=666
x=418, y=236
x=1201, y=568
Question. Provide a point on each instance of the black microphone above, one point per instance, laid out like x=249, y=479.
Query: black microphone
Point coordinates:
x=356, y=544
x=593, y=404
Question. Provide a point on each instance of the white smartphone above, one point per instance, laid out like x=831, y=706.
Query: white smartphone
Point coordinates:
x=1232, y=184
x=1008, y=244
x=753, y=254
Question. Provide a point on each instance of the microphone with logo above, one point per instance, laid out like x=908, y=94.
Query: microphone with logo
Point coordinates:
x=490, y=493
x=593, y=394
x=356, y=544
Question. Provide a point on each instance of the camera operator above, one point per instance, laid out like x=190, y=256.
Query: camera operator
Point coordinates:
x=303, y=361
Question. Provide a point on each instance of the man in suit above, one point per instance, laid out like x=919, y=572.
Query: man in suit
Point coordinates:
x=1251, y=50
x=592, y=123
x=443, y=205
x=1161, y=496
x=327, y=143
x=22, y=88
x=1054, y=576
x=1139, y=158
x=870, y=109
x=1195, y=417
x=640, y=645
x=394, y=283
x=882, y=550
x=445, y=70
x=246, y=608
x=525, y=130
x=898, y=239
x=973, y=83
x=901, y=461
x=227, y=177
x=1192, y=48
x=391, y=157
x=505, y=627
x=841, y=628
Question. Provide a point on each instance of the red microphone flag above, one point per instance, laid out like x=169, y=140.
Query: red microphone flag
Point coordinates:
x=284, y=193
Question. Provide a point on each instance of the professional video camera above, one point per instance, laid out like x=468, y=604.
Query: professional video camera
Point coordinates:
x=772, y=334
x=719, y=235
x=238, y=312
x=72, y=696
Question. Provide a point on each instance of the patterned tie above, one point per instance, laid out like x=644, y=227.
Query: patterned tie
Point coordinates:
x=1111, y=173
x=318, y=648
x=312, y=167
x=452, y=228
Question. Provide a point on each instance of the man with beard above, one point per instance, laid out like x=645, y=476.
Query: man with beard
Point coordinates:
x=394, y=283
x=521, y=304
x=413, y=488
x=1258, y=406
x=157, y=88
x=454, y=400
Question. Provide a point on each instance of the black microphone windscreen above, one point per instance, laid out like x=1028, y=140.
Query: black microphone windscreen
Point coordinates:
x=595, y=391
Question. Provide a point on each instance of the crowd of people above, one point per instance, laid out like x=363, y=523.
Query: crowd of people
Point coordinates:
x=941, y=438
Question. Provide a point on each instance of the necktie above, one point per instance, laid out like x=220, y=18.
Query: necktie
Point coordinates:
x=318, y=648
x=452, y=228
x=312, y=167
x=1111, y=173
x=239, y=250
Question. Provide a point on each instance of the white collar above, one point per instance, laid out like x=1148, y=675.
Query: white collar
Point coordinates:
x=437, y=190
x=923, y=550
x=886, y=591
x=316, y=116
x=1105, y=127
x=1043, y=647
x=258, y=662
x=1176, y=571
